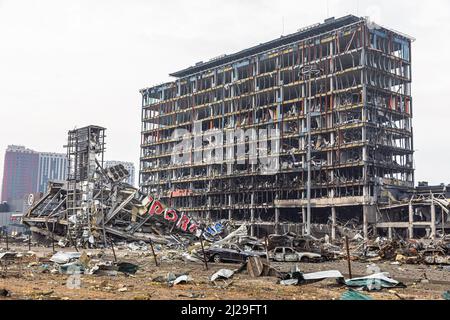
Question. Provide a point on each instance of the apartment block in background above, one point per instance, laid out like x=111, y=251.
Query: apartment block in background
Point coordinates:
x=20, y=175
x=28, y=172
x=52, y=167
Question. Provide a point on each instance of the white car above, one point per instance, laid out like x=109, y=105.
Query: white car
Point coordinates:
x=285, y=254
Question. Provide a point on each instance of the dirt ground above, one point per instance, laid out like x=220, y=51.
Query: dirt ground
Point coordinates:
x=26, y=281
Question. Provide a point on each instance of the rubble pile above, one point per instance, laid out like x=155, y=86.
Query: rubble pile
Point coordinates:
x=424, y=251
x=134, y=259
x=410, y=252
x=94, y=205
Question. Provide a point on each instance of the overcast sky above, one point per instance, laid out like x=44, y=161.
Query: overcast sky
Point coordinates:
x=67, y=64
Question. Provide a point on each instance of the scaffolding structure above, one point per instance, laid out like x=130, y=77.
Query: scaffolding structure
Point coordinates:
x=85, y=154
x=361, y=137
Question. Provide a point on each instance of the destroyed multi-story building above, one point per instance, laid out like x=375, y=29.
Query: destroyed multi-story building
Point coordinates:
x=341, y=89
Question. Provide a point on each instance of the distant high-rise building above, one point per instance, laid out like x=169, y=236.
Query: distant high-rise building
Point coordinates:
x=28, y=172
x=20, y=175
x=52, y=167
x=128, y=165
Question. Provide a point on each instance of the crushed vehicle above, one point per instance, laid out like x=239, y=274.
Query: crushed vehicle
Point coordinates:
x=435, y=256
x=251, y=244
x=230, y=253
x=286, y=240
x=286, y=254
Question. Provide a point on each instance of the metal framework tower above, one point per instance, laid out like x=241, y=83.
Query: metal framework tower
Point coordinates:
x=85, y=154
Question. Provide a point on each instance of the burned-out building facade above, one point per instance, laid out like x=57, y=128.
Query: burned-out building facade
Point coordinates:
x=338, y=97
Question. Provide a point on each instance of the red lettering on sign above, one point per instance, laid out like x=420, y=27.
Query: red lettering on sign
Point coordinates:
x=149, y=203
x=170, y=215
x=156, y=208
x=193, y=228
x=183, y=223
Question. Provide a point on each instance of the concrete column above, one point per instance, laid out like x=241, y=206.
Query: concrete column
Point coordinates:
x=333, y=223
x=390, y=233
x=252, y=214
x=365, y=222
x=411, y=221
x=303, y=220
x=208, y=213
x=277, y=219
x=433, y=219
x=230, y=211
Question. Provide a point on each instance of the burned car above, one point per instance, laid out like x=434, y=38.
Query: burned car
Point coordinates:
x=286, y=254
x=230, y=253
x=435, y=256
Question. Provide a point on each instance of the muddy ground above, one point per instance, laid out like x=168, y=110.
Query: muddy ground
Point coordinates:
x=27, y=281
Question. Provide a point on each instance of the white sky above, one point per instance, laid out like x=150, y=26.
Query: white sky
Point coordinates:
x=67, y=64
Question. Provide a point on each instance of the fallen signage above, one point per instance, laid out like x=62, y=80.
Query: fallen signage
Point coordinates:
x=155, y=207
x=213, y=231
